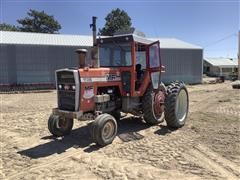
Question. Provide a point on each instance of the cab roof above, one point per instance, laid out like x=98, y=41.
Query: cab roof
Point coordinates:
x=124, y=38
x=127, y=36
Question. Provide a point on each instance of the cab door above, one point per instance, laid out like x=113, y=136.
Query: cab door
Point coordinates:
x=154, y=63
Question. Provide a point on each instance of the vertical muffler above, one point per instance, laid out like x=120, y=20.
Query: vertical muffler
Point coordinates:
x=94, y=49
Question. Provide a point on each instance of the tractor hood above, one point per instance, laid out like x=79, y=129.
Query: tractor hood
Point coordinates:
x=99, y=75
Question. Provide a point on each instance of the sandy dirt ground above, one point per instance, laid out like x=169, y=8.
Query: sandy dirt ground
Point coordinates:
x=207, y=147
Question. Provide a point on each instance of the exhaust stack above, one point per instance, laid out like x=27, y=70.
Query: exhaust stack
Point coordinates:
x=94, y=49
x=94, y=31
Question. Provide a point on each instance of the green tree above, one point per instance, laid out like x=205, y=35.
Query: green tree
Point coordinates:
x=116, y=20
x=39, y=21
x=8, y=27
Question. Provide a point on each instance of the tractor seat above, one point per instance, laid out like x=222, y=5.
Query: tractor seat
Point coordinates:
x=140, y=73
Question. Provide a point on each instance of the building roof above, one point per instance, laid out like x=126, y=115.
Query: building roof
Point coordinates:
x=222, y=62
x=8, y=37
x=173, y=43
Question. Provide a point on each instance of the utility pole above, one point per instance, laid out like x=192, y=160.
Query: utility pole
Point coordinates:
x=236, y=84
x=238, y=55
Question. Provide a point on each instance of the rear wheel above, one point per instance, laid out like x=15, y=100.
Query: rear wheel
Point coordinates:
x=59, y=126
x=104, y=129
x=177, y=103
x=152, y=109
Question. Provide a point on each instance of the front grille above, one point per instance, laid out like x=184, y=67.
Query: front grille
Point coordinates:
x=66, y=100
x=66, y=92
x=65, y=77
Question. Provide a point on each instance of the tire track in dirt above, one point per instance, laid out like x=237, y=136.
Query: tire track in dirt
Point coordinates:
x=227, y=164
x=207, y=158
x=203, y=104
x=150, y=154
x=108, y=168
x=116, y=168
x=50, y=161
x=165, y=153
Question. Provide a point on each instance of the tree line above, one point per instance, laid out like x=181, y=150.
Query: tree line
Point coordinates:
x=41, y=22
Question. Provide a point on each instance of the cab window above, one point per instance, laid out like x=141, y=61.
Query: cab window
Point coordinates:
x=113, y=54
x=141, y=55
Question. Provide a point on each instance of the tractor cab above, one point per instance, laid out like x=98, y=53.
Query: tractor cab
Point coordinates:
x=136, y=57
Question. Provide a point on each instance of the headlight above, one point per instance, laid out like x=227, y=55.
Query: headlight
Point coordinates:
x=73, y=87
x=110, y=91
x=60, y=86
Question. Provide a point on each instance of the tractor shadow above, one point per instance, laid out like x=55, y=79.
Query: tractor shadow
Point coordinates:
x=128, y=128
x=81, y=138
x=164, y=130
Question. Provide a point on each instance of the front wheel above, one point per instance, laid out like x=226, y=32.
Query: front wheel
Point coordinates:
x=176, y=105
x=104, y=129
x=59, y=126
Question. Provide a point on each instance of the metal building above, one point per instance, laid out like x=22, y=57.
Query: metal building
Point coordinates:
x=183, y=61
x=220, y=67
x=33, y=57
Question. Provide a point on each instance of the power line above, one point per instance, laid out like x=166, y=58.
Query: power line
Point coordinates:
x=220, y=40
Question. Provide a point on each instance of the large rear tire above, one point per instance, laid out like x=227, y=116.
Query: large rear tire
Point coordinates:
x=150, y=116
x=176, y=105
x=59, y=126
x=104, y=129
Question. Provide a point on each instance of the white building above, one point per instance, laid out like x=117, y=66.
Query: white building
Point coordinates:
x=220, y=66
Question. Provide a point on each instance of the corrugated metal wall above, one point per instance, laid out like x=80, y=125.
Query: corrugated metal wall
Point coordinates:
x=37, y=63
x=4, y=59
x=34, y=63
x=182, y=65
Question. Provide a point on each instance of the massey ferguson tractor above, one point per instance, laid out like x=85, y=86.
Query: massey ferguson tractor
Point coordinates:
x=124, y=76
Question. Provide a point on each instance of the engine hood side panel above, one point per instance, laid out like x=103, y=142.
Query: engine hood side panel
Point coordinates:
x=93, y=78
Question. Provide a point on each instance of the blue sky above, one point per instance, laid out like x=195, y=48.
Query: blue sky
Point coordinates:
x=214, y=25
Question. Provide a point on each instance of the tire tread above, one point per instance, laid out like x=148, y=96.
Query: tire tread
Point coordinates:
x=172, y=90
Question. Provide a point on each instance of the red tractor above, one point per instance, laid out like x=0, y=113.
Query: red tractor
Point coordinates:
x=126, y=78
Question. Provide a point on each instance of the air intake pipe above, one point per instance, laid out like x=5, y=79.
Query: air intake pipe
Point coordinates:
x=81, y=57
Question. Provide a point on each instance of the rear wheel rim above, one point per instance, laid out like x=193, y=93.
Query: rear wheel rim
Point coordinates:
x=181, y=105
x=157, y=109
x=108, y=130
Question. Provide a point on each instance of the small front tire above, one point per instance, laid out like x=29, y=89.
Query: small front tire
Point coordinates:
x=59, y=126
x=104, y=129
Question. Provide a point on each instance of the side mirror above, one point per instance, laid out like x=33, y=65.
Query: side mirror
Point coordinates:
x=163, y=68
